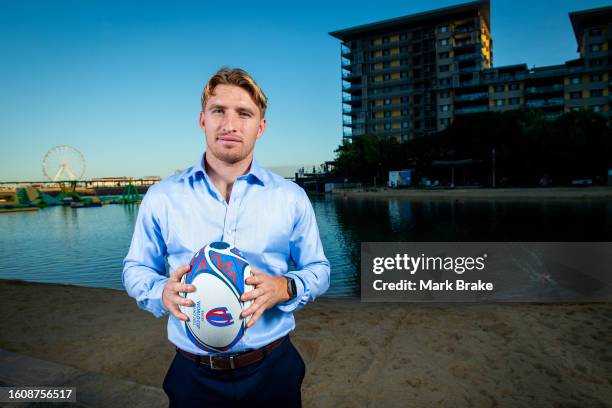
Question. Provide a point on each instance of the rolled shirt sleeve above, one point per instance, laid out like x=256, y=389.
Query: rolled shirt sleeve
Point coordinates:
x=312, y=274
x=144, y=269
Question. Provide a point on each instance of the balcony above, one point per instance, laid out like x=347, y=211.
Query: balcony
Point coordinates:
x=472, y=96
x=466, y=57
x=543, y=89
x=349, y=122
x=348, y=75
x=465, y=70
x=344, y=50
x=470, y=82
x=351, y=99
x=459, y=44
x=541, y=103
x=464, y=30
x=349, y=87
x=471, y=109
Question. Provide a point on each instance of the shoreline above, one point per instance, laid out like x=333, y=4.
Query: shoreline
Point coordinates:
x=418, y=354
x=479, y=193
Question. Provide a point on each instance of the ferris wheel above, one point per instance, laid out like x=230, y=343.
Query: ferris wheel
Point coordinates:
x=63, y=163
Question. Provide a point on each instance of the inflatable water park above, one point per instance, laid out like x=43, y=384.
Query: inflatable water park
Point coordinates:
x=30, y=198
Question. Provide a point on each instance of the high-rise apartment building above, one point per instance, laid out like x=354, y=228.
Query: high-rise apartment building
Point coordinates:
x=411, y=76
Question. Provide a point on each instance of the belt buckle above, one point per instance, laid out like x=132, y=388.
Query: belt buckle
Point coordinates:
x=212, y=365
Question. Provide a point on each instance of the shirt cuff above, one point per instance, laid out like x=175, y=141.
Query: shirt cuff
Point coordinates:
x=153, y=303
x=292, y=304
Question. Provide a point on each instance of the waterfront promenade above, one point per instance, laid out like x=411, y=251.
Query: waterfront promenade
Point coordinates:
x=465, y=355
x=481, y=193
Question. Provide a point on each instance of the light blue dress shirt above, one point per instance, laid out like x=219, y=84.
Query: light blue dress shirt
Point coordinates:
x=268, y=218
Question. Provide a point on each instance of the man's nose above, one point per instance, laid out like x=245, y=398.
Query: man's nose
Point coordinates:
x=230, y=122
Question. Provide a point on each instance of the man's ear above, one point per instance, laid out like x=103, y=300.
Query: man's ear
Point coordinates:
x=202, y=120
x=262, y=127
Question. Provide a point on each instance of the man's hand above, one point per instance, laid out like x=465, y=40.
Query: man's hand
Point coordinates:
x=269, y=290
x=170, y=296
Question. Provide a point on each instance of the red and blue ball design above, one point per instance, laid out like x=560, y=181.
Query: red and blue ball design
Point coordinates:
x=218, y=271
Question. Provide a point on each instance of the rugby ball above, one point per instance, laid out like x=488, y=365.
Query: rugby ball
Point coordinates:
x=218, y=272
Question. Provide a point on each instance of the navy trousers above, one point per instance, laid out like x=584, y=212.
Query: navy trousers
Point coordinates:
x=275, y=381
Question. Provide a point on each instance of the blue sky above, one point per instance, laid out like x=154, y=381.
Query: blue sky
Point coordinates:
x=121, y=80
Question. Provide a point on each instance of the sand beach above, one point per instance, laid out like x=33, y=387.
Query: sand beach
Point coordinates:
x=357, y=354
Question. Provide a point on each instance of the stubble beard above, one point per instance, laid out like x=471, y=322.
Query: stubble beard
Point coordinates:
x=231, y=156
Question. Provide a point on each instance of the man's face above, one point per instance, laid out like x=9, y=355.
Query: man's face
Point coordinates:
x=232, y=123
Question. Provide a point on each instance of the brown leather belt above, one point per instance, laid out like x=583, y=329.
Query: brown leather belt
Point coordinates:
x=233, y=361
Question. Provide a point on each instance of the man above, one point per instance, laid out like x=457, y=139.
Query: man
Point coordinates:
x=227, y=196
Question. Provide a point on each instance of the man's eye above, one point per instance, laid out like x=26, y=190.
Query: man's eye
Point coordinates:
x=245, y=115
x=217, y=110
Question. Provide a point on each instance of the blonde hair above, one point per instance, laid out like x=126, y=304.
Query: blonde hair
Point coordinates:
x=236, y=77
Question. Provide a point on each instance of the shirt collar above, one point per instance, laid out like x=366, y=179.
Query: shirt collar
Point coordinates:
x=256, y=174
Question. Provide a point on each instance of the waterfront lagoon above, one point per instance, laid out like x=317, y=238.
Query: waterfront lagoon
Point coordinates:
x=87, y=246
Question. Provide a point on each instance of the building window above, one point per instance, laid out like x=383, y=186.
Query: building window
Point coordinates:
x=385, y=40
x=404, y=74
x=387, y=126
x=443, y=41
x=595, y=47
x=444, y=94
x=444, y=55
x=404, y=112
x=444, y=81
x=499, y=102
x=444, y=29
x=387, y=101
x=575, y=95
x=596, y=62
x=387, y=114
x=404, y=61
x=444, y=68
x=386, y=77
x=386, y=64
x=514, y=87
x=444, y=108
x=386, y=52
x=514, y=101
x=444, y=121
x=403, y=36
x=575, y=108
x=405, y=124
x=500, y=88
x=596, y=78
x=596, y=93
x=575, y=80
x=488, y=75
x=597, y=108
x=404, y=99
x=594, y=32
x=373, y=67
